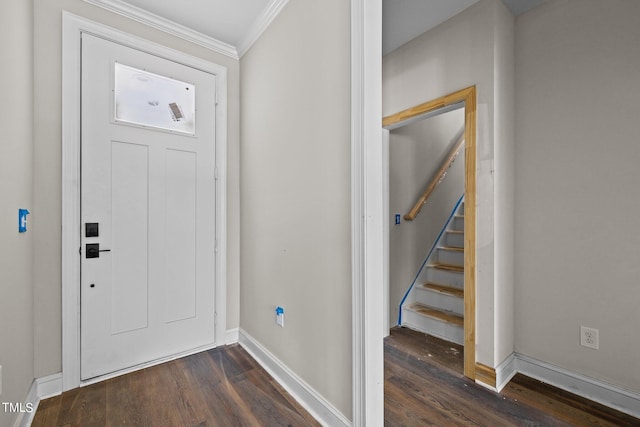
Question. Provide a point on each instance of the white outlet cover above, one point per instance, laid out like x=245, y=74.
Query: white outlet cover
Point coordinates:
x=589, y=337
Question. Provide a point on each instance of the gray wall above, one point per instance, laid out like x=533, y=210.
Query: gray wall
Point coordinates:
x=47, y=161
x=473, y=48
x=295, y=194
x=16, y=190
x=416, y=152
x=577, y=157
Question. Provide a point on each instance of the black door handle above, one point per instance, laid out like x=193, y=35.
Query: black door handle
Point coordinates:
x=93, y=250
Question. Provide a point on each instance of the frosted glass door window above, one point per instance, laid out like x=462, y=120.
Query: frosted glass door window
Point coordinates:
x=148, y=99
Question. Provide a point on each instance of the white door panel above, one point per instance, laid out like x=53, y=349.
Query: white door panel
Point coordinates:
x=129, y=261
x=180, y=298
x=152, y=191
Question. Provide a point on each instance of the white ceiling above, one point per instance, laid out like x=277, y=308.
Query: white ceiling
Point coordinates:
x=518, y=7
x=404, y=20
x=237, y=23
x=229, y=21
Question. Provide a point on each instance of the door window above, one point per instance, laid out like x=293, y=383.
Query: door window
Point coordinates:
x=148, y=99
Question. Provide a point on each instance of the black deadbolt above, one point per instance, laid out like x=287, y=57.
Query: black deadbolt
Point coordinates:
x=91, y=229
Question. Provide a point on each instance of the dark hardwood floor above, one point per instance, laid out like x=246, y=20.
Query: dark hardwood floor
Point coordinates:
x=219, y=387
x=424, y=386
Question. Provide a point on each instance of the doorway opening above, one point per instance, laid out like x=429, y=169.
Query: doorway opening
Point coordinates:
x=466, y=214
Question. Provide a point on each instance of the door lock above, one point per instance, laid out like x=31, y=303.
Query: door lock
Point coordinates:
x=93, y=250
x=91, y=229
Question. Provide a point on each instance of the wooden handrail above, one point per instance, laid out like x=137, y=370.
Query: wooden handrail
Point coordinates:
x=437, y=179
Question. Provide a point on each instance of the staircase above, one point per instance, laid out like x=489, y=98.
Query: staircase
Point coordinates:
x=434, y=303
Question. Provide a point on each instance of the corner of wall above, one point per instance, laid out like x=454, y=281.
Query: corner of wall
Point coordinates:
x=504, y=178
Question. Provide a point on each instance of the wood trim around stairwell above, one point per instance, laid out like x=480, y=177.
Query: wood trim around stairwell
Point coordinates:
x=485, y=375
x=426, y=107
x=468, y=97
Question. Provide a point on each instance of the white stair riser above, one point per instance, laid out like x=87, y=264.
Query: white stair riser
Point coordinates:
x=454, y=239
x=440, y=300
x=451, y=257
x=437, y=328
x=445, y=277
x=457, y=223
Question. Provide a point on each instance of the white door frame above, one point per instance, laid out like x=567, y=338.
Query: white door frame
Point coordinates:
x=72, y=28
x=367, y=214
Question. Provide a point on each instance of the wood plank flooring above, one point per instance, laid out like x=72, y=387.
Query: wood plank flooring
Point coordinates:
x=424, y=386
x=219, y=387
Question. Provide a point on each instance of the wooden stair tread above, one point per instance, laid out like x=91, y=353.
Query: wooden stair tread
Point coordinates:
x=448, y=267
x=451, y=248
x=443, y=289
x=455, y=231
x=444, y=316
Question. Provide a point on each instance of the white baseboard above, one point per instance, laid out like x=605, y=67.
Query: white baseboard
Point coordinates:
x=24, y=419
x=310, y=399
x=41, y=388
x=231, y=336
x=49, y=386
x=505, y=371
x=599, y=391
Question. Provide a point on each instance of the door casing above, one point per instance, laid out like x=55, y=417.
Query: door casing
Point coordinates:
x=73, y=27
x=466, y=96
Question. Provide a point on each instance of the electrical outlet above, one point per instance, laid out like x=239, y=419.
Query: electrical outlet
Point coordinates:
x=589, y=337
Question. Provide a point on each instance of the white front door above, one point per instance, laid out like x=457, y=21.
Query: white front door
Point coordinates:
x=147, y=207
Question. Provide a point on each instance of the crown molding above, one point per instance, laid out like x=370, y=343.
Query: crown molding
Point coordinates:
x=166, y=25
x=259, y=26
